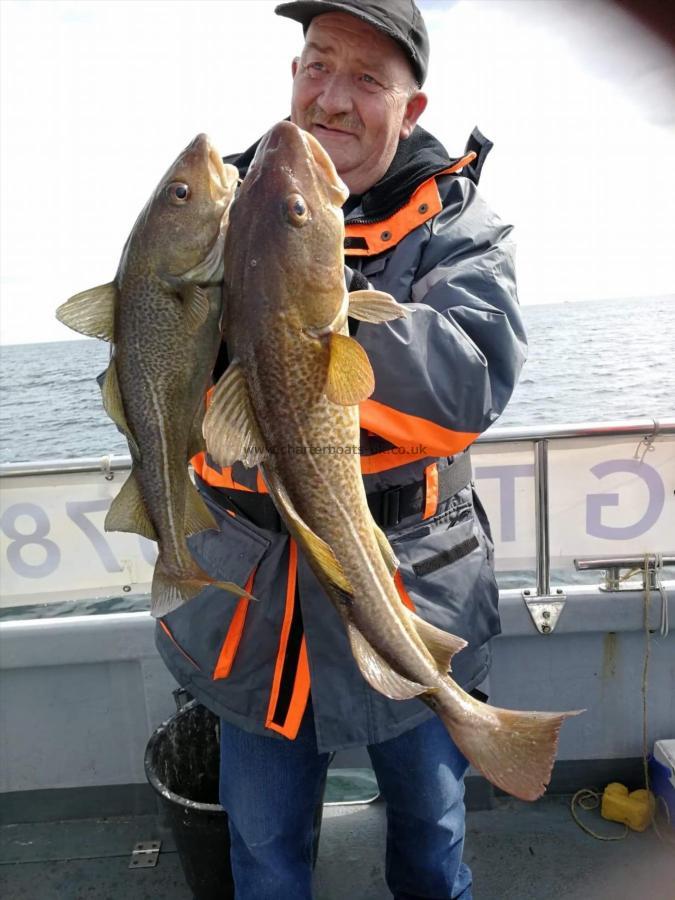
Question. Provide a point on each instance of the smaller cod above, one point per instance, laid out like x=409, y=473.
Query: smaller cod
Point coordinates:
x=295, y=380
x=162, y=315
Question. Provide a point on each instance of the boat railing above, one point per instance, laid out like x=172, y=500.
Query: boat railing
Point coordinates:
x=600, y=493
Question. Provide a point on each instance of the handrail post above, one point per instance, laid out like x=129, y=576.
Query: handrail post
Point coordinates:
x=544, y=608
x=541, y=510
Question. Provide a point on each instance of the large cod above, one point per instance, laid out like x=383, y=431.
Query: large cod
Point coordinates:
x=162, y=315
x=293, y=384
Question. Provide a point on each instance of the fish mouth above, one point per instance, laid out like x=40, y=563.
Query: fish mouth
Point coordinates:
x=336, y=186
x=222, y=183
x=222, y=177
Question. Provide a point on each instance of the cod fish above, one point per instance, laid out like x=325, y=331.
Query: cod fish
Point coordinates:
x=293, y=384
x=162, y=315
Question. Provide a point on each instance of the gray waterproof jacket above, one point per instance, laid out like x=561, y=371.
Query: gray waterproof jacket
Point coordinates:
x=443, y=375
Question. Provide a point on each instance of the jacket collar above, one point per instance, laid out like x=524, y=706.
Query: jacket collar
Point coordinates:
x=415, y=161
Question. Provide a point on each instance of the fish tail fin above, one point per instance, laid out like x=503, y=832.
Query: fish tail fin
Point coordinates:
x=169, y=591
x=512, y=749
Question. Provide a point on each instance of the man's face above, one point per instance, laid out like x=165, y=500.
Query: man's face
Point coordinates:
x=354, y=90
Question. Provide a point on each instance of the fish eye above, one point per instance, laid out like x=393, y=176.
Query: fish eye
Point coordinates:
x=296, y=209
x=178, y=193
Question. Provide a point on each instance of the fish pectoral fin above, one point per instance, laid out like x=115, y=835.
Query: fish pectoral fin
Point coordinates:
x=229, y=428
x=195, y=305
x=197, y=514
x=441, y=644
x=313, y=545
x=388, y=554
x=91, y=312
x=114, y=406
x=375, y=307
x=378, y=673
x=128, y=512
x=350, y=378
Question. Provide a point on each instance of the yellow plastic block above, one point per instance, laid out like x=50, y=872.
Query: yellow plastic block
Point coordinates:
x=634, y=809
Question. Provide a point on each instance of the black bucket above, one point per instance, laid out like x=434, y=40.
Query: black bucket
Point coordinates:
x=182, y=763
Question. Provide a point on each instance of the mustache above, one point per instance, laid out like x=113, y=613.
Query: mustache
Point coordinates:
x=342, y=121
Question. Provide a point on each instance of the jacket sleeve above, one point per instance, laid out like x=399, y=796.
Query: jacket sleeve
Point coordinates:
x=445, y=373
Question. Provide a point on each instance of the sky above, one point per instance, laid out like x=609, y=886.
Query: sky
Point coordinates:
x=97, y=98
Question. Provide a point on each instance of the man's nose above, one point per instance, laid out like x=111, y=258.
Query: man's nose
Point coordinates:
x=336, y=96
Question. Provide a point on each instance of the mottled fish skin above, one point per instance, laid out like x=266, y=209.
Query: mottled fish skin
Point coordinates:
x=285, y=299
x=164, y=325
x=266, y=309
x=163, y=375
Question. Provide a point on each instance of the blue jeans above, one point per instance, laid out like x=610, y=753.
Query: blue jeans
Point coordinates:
x=270, y=789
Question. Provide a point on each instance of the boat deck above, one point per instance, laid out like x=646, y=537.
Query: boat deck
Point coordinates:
x=517, y=851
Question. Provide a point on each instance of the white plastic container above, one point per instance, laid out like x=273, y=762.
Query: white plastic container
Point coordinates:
x=662, y=774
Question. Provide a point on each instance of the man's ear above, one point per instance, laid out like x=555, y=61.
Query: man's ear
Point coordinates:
x=413, y=110
x=294, y=65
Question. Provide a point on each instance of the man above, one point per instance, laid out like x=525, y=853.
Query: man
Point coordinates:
x=279, y=672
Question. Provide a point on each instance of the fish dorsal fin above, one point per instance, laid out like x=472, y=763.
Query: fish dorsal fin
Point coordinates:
x=350, y=376
x=378, y=673
x=91, y=312
x=195, y=305
x=314, y=546
x=230, y=430
x=197, y=514
x=441, y=644
x=128, y=511
x=375, y=306
x=114, y=406
x=388, y=554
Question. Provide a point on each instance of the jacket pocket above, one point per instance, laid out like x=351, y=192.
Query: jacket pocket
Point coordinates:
x=207, y=629
x=446, y=557
x=446, y=571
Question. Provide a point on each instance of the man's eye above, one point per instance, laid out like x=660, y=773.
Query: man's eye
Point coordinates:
x=316, y=67
x=369, y=80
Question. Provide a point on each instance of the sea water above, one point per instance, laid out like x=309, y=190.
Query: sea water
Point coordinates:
x=594, y=361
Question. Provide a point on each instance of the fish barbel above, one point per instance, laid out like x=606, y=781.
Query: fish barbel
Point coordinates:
x=294, y=381
x=162, y=315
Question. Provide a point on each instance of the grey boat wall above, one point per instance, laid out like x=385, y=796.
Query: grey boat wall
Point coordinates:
x=81, y=694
